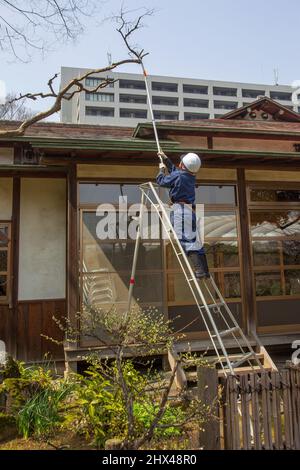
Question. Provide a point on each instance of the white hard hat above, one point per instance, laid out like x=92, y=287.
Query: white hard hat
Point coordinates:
x=191, y=162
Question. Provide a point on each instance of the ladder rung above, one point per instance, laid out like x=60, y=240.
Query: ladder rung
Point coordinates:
x=243, y=359
x=216, y=305
x=230, y=331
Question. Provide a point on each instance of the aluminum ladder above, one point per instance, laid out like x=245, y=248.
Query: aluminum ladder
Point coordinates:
x=208, y=298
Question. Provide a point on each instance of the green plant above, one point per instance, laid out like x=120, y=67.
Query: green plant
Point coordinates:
x=41, y=414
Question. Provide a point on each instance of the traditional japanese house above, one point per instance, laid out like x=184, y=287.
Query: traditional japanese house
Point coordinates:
x=53, y=178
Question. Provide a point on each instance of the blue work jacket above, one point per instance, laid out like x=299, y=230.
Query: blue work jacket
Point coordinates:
x=181, y=183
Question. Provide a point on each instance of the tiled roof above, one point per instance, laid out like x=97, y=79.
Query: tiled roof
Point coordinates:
x=72, y=131
x=232, y=124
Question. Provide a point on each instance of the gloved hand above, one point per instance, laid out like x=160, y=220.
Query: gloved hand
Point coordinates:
x=162, y=166
x=162, y=155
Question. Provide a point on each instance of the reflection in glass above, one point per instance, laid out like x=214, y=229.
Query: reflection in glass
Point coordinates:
x=220, y=224
x=101, y=290
x=118, y=256
x=178, y=289
x=98, y=193
x=3, y=260
x=292, y=282
x=275, y=195
x=222, y=254
x=265, y=253
x=291, y=252
x=268, y=284
x=229, y=284
x=275, y=223
x=3, y=236
x=214, y=194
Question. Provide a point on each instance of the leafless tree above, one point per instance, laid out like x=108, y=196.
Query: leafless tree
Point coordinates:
x=126, y=28
x=15, y=110
x=28, y=25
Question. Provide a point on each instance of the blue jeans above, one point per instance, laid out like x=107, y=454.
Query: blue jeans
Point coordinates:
x=183, y=219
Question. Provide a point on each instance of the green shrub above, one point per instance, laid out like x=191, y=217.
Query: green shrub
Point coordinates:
x=145, y=412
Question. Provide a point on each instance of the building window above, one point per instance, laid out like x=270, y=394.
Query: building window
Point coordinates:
x=252, y=93
x=194, y=103
x=195, y=116
x=95, y=81
x=164, y=101
x=133, y=113
x=163, y=86
x=280, y=95
x=132, y=84
x=166, y=116
x=225, y=105
x=105, y=265
x=195, y=89
x=223, y=255
x=102, y=97
x=5, y=262
x=275, y=236
x=135, y=99
x=224, y=91
x=95, y=111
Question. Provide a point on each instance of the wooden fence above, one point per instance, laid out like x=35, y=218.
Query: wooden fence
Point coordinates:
x=258, y=410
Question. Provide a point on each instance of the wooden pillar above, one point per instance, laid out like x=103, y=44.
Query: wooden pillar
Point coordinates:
x=209, y=437
x=248, y=288
x=13, y=324
x=73, y=248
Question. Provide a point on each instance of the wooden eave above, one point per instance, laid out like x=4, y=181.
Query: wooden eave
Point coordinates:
x=145, y=130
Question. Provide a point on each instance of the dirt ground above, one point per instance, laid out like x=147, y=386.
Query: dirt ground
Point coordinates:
x=59, y=442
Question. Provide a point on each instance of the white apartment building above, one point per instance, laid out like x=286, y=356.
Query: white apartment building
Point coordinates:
x=124, y=103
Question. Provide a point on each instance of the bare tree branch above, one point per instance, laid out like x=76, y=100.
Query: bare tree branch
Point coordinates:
x=29, y=24
x=77, y=85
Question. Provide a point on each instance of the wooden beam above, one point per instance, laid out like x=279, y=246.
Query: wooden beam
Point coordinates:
x=72, y=248
x=15, y=265
x=246, y=267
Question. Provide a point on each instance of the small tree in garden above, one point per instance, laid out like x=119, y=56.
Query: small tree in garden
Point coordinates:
x=116, y=399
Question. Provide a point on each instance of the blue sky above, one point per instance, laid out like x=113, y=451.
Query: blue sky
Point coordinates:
x=235, y=40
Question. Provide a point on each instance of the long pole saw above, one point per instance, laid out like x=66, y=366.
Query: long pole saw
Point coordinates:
x=151, y=109
x=139, y=234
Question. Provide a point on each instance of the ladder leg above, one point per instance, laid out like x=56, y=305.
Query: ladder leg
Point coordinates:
x=135, y=256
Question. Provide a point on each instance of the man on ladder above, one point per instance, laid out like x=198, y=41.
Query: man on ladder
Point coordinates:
x=182, y=182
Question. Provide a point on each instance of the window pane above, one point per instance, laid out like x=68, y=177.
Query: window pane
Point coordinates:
x=220, y=224
x=215, y=194
x=274, y=195
x=3, y=260
x=222, y=254
x=291, y=252
x=3, y=286
x=268, y=284
x=99, y=193
x=178, y=289
x=105, y=288
x=229, y=284
x=3, y=236
x=275, y=223
x=292, y=282
x=265, y=253
x=112, y=288
x=119, y=256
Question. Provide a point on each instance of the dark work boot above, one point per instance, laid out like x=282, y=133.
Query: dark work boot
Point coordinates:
x=199, y=263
